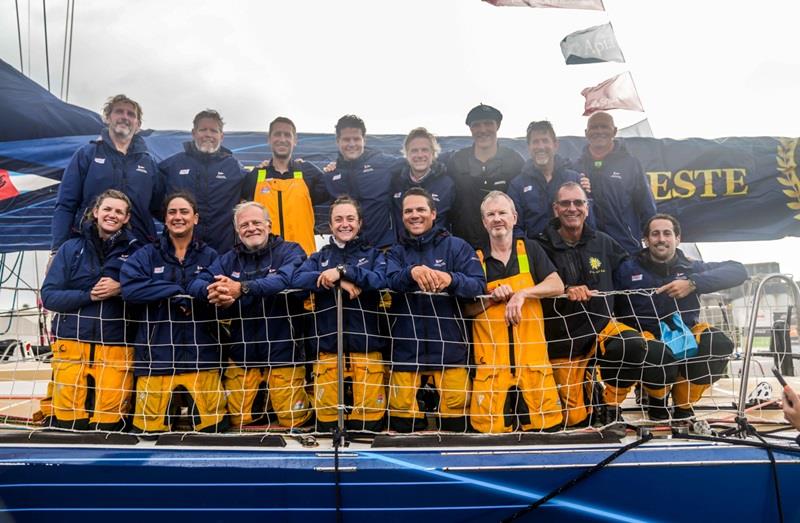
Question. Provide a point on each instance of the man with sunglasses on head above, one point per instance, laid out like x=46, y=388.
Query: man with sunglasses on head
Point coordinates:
x=534, y=190
x=580, y=328
x=620, y=193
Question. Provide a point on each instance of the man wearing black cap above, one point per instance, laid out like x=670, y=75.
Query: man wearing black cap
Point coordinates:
x=478, y=170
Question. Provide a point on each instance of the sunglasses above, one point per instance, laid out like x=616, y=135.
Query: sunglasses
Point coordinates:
x=565, y=204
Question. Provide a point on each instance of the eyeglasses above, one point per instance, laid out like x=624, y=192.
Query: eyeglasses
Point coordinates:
x=565, y=204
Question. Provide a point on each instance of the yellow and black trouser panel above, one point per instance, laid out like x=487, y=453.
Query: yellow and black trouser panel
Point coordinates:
x=87, y=370
x=155, y=394
x=366, y=372
x=285, y=388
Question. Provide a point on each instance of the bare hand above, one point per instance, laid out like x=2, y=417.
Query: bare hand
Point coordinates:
x=224, y=291
x=502, y=293
x=105, y=288
x=329, y=168
x=514, y=309
x=425, y=277
x=791, y=406
x=677, y=289
x=586, y=184
x=352, y=289
x=328, y=278
x=580, y=293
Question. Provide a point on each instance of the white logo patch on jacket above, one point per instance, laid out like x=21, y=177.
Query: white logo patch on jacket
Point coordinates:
x=184, y=171
x=101, y=161
x=636, y=277
x=158, y=270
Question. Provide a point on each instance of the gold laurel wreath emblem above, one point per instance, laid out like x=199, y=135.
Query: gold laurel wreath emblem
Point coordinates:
x=787, y=166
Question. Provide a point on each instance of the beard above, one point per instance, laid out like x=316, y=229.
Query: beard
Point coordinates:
x=207, y=147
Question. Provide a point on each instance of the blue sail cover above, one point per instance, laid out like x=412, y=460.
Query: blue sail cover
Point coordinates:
x=721, y=190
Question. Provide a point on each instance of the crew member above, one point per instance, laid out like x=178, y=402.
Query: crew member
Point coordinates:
x=479, y=169
x=118, y=159
x=209, y=172
x=580, y=325
x=178, y=355
x=513, y=387
x=365, y=175
x=286, y=187
x=249, y=281
x=673, y=312
x=620, y=192
x=423, y=169
x=360, y=271
x=534, y=190
x=430, y=341
x=91, y=353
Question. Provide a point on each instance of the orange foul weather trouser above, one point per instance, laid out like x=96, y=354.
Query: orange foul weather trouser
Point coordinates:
x=513, y=358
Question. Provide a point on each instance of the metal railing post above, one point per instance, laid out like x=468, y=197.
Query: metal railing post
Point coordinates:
x=748, y=348
x=340, y=359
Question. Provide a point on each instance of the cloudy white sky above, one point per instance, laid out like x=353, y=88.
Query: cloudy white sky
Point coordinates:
x=706, y=69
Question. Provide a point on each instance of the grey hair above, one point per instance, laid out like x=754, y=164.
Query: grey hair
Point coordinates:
x=240, y=208
x=494, y=195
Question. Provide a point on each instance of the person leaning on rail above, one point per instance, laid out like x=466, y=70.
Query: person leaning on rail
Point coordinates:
x=247, y=282
x=117, y=159
x=178, y=355
x=287, y=187
x=580, y=329
x=209, y=172
x=422, y=169
x=429, y=337
x=92, y=378
x=513, y=387
x=360, y=270
x=672, y=314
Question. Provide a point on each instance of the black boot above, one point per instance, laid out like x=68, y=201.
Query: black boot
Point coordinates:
x=657, y=409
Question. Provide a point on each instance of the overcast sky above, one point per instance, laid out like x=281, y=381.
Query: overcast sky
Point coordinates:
x=702, y=68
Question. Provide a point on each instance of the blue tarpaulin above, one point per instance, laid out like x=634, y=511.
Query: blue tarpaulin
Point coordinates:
x=721, y=190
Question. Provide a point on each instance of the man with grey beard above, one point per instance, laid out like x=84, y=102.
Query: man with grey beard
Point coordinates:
x=211, y=174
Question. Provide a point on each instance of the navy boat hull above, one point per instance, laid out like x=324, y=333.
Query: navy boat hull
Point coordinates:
x=670, y=481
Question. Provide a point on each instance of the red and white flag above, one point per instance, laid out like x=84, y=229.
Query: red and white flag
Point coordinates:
x=615, y=93
x=592, y=5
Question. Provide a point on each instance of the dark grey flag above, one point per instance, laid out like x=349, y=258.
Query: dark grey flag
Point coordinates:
x=592, y=45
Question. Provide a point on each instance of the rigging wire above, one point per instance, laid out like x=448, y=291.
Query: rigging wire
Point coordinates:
x=46, y=49
x=19, y=38
x=69, y=54
x=64, y=52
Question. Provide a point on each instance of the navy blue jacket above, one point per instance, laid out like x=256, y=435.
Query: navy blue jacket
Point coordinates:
x=368, y=179
x=98, y=166
x=644, y=312
x=76, y=268
x=429, y=330
x=621, y=195
x=474, y=180
x=176, y=335
x=571, y=327
x=266, y=323
x=437, y=182
x=215, y=180
x=364, y=266
x=533, y=195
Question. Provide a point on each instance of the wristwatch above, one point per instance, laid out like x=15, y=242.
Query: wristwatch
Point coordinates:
x=342, y=269
x=245, y=287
